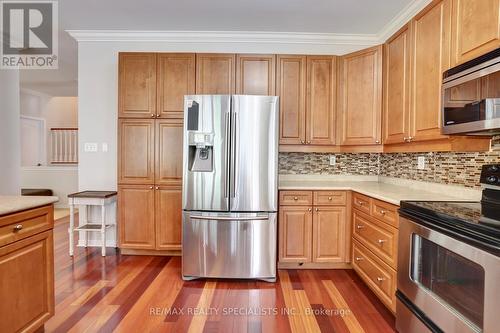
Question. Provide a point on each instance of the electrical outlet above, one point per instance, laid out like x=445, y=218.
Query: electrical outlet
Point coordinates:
x=333, y=159
x=90, y=147
x=421, y=162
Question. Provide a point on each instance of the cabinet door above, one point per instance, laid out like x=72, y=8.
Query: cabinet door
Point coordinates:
x=329, y=234
x=475, y=28
x=136, y=223
x=168, y=211
x=291, y=88
x=255, y=74
x=176, y=78
x=362, y=97
x=396, y=87
x=215, y=74
x=27, y=288
x=169, y=134
x=137, y=85
x=295, y=234
x=430, y=58
x=321, y=100
x=136, y=151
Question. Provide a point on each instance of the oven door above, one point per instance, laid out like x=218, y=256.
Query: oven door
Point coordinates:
x=454, y=284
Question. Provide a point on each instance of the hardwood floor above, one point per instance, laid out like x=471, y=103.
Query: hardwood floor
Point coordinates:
x=146, y=294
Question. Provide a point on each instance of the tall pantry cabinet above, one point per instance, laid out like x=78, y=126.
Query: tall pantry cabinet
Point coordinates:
x=150, y=130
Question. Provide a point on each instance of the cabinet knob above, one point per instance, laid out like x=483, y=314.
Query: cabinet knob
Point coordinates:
x=295, y=198
x=151, y=187
x=317, y=209
x=308, y=142
x=359, y=258
x=157, y=116
x=361, y=203
x=18, y=227
x=152, y=115
x=302, y=142
x=377, y=141
x=330, y=198
x=381, y=241
x=410, y=138
x=383, y=212
x=360, y=226
x=310, y=209
x=157, y=188
x=380, y=279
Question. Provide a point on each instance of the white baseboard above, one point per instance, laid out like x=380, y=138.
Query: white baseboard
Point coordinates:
x=96, y=243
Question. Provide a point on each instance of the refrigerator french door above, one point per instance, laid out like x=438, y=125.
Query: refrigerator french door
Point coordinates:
x=230, y=187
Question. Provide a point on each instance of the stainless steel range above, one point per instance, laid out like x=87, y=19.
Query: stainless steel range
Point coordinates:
x=230, y=187
x=449, y=263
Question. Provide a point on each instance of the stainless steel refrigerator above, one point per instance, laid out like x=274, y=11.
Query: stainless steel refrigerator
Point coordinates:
x=230, y=187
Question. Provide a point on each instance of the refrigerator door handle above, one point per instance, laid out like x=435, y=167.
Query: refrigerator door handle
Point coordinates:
x=228, y=218
x=234, y=142
x=227, y=129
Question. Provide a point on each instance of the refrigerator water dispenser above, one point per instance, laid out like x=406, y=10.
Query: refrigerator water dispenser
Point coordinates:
x=200, y=152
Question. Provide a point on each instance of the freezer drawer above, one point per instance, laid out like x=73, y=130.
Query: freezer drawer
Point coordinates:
x=229, y=245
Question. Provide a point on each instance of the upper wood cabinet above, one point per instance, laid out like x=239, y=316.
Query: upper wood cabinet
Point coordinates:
x=361, y=97
x=136, y=215
x=168, y=157
x=215, y=73
x=430, y=58
x=321, y=100
x=255, y=74
x=291, y=88
x=137, y=85
x=176, y=78
x=168, y=219
x=396, y=87
x=136, y=143
x=329, y=233
x=476, y=28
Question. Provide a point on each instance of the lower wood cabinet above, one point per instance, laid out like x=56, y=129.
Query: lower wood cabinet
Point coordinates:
x=26, y=270
x=313, y=235
x=150, y=217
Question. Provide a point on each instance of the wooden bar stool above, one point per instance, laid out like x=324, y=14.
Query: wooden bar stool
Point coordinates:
x=90, y=198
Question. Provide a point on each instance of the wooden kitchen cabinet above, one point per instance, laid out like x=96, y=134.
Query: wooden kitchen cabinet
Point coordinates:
x=295, y=234
x=168, y=217
x=321, y=100
x=176, y=78
x=396, y=87
x=136, y=146
x=329, y=234
x=255, y=74
x=215, y=73
x=137, y=85
x=430, y=58
x=168, y=157
x=475, y=29
x=136, y=207
x=291, y=88
x=361, y=97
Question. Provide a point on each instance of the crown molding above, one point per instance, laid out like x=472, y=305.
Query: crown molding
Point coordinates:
x=252, y=37
x=403, y=17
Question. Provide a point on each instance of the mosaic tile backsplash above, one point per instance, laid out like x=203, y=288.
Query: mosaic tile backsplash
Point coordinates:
x=446, y=168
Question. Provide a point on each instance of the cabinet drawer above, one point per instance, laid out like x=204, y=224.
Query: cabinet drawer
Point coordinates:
x=377, y=236
x=330, y=198
x=361, y=202
x=296, y=198
x=377, y=275
x=385, y=212
x=20, y=225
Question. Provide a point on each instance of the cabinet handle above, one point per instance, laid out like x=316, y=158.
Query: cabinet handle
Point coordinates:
x=152, y=115
x=383, y=212
x=18, y=227
x=361, y=203
x=360, y=226
x=295, y=198
x=157, y=116
x=151, y=187
x=310, y=209
x=377, y=141
x=157, y=188
x=381, y=241
x=317, y=209
x=410, y=138
x=380, y=279
x=302, y=142
x=330, y=198
x=359, y=258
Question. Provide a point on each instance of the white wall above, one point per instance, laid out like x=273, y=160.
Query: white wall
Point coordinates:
x=62, y=180
x=10, y=141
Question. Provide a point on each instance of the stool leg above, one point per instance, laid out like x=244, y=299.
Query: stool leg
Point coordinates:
x=71, y=226
x=87, y=220
x=103, y=230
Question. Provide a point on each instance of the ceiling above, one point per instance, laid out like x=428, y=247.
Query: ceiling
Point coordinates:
x=357, y=17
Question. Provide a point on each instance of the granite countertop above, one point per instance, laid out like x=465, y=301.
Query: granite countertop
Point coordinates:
x=388, y=192
x=13, y=204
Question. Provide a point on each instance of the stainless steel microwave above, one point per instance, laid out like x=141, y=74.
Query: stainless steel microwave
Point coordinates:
x=471, y=97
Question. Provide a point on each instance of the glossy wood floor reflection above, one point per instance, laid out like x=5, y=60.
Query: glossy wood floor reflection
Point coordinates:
x=146, y=294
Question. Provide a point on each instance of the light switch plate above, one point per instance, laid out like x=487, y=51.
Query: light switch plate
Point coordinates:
x=333, y=160
x=104, y=147
x=421, y=162
x=90, y=147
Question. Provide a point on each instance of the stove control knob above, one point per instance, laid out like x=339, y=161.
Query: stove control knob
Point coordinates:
x=492, y=179
x=494, y=168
